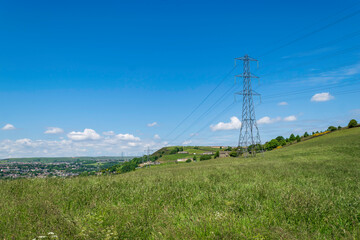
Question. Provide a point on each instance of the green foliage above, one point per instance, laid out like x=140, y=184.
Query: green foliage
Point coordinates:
x=282, y=143
x=332, y=128
x=339, y=127
x=292, y=138
x=271, y=145
x=228, y=149
x=217, y=154
x=306, y=134
x=188, y=161
x=205, y=157
x=298, y=138
x=194, y=158
x=233, y=153
x=352, y=123
x=280, y=138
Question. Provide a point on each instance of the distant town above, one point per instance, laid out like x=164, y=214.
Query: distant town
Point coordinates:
x=55, y=167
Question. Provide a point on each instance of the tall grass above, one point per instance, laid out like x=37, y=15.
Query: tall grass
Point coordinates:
x=307, y=191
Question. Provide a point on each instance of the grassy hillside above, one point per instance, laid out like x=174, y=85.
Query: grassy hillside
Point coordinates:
x=166, y=156
x=310, y=190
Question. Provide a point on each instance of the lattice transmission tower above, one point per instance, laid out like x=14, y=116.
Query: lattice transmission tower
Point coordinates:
x=249, y=139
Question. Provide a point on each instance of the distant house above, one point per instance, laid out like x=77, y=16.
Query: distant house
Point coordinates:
x=216, y=147
x=224, y=154
x=207, y=153
x=182, y=159
x=183, y=152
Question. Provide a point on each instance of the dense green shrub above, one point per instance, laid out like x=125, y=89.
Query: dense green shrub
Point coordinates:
x=332, y=128
x=188, y=161
x=352, y=123
x=233, y=153
x=271, y=145
x=205, y=157
x=292, y=138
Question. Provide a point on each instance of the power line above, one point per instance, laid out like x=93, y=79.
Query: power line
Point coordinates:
x=202, y=102
x=321, y=20
x=312, y=32
x=220, y=100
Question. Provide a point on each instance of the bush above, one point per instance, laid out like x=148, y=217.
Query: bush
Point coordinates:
x=233, y=154
x=298, y=138
x=280, y=138
x=332, y=128
x=194, y=158
x=339, y=127
x=205, y=157
x=271, y=145
x=188, y=161
x=306, y=134
x=217, y=154
x=292, y=138
x=352, y=123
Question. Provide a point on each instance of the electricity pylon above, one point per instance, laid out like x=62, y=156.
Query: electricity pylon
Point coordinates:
x=249, y=137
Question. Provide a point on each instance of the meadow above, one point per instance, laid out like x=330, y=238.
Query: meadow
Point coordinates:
x=310, y=190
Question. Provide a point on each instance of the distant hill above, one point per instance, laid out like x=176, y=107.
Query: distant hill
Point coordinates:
x=64, y=159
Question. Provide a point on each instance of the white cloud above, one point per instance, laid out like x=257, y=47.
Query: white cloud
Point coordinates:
x=233, y=124
x=8, y=127
x=127, y=137
x=73, y=146
x=87, y=134
x=152, y=124
x=283, y=103
x=268, y=120
x=109, y=133
x=156, y=136
x=54, y=130
x=322, y=97
x=290, y=118
x=186, y=142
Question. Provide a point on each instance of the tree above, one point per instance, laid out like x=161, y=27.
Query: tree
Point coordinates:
x=339, y=127
x=332, y=128
x=282, y=143
x=352, y=123
x=194, y=158
x=280, y=138
x=271, y=145
x=233, y=154
x=298, y=138
x=217, y=154
x=292, y=137
x=306, y=134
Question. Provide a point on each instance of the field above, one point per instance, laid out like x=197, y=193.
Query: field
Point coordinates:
x=310, y=190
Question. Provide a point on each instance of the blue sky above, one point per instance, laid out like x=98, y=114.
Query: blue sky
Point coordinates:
x=106, y=77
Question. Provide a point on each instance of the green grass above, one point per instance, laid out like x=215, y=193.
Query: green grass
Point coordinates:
x=310, y=190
